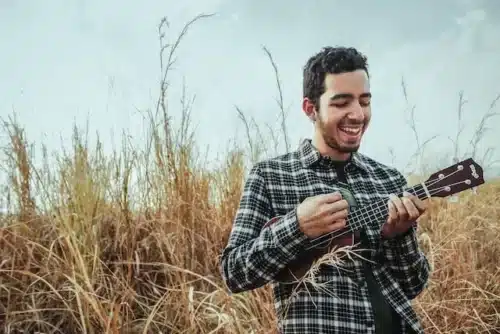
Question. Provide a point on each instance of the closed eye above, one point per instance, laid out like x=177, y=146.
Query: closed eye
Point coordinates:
x=343, y=100
x=340, y=104
x=337, y=104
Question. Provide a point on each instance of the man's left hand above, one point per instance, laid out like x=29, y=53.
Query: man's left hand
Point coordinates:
x=403, y=212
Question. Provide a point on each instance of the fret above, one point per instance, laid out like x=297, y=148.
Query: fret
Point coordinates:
x=371, y=214
x=456, y=178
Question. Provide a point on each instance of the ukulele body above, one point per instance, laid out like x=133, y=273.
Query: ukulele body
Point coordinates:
x=298, y=268
x=463, y=175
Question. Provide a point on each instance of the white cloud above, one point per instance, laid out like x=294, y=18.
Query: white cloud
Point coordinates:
x=471, y=18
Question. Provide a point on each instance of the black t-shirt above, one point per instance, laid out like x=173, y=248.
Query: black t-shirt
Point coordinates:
x=386, y=319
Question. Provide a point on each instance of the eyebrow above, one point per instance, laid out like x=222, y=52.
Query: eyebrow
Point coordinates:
x=348, y=96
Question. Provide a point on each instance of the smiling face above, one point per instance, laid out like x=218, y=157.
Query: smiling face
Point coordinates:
x=342, y=113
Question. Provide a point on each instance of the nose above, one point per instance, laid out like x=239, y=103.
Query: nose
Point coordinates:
x=356, y=112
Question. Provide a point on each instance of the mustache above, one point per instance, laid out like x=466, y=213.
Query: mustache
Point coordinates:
x=350, y=123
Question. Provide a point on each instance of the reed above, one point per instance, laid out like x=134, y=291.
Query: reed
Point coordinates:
x=129, y=242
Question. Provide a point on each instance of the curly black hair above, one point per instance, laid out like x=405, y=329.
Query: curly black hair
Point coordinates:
x=332, y=60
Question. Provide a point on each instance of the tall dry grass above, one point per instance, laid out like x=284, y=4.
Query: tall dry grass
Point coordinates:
x=129, y=242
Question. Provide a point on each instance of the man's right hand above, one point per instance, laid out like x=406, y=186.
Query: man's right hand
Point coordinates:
x=322, y=214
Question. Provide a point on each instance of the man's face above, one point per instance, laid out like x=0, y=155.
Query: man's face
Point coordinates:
x=344, y=111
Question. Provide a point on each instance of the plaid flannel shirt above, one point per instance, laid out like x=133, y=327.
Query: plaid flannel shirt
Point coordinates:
x=255, y=254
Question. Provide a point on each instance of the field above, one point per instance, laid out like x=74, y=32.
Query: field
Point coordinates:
x=129, y=243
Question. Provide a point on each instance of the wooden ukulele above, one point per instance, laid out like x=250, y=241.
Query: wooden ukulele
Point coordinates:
x=456, y=178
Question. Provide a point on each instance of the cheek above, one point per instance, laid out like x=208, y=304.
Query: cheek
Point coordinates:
x=368, y=115
x=329, y=121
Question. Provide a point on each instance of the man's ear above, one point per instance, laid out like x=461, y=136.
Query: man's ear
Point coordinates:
x=309, y=109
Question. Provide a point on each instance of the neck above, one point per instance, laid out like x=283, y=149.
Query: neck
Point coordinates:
x=325, y=150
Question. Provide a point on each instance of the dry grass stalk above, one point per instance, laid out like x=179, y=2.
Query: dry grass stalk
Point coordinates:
x=337, y=257
x=130, y=243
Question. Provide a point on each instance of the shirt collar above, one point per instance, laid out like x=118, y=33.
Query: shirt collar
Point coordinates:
x=309, y=155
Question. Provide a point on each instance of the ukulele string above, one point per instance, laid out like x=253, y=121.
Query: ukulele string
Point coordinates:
x=425, y=185
x=360, y=213
x=371, y=209
x=357, y=214
x=376, y=205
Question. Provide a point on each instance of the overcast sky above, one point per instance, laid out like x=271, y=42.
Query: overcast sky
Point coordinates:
x=73, y=60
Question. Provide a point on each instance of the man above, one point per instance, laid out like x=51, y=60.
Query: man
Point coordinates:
x=300, y=193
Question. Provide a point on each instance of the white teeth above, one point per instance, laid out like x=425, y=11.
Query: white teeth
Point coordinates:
x=351, y=130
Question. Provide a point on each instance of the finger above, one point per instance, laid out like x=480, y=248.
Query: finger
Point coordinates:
x=337, y=206
x=393, y=215
x=421, y=205
x=412, y=210
x=331, y=197
x=417, y=202
x=328, y=209
x=400, y=208
x=342, y=214
x=332, y=212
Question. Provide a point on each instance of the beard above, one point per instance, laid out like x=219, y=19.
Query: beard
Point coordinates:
x=332, y=142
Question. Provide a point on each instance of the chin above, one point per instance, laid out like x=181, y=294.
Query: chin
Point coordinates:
x=344, y=147
x=349, y=149
x=350, y=146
